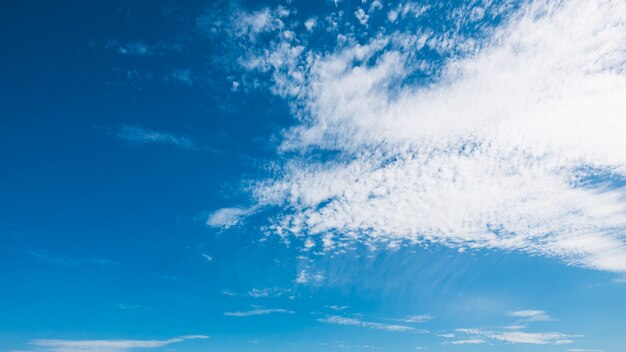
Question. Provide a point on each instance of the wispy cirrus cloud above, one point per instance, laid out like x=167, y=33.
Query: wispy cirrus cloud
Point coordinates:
x=534, y=338
x=466, y=342
x=139, y=135
x=340, y=320
x=60, y=345
x=420, y=318
x=258, y=311
x=530, y=315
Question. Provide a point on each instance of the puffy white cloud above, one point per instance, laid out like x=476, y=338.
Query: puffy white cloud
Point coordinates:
x=516, y=145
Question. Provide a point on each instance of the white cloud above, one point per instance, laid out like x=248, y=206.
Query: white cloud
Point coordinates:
x=227, y=217
x=57, y=345
x=268, y=292
x=535, y=338
x=466, y=342
x=338, y=320
x=531, y=315
x=140, y=135
x=362, y=16
x=304, y=277
x=310, y=24
x=258, y=311
x=420, y=318
x=512, y=147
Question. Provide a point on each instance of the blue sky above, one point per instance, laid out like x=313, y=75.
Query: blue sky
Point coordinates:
x=313, y=176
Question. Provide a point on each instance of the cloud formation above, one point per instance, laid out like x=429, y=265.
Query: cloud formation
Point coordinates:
x=258, y=311
x=531, y=315
x=516, y=143
x=339, y=320
x=227, y=217
x=534, y=338
x=58, y=345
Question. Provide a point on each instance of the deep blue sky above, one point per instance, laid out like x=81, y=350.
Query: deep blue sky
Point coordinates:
x=121, y=133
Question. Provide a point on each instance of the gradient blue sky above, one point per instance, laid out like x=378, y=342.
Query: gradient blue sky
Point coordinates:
x=312, y=176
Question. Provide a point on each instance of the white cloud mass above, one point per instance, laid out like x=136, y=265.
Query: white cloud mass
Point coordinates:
x=517, y=145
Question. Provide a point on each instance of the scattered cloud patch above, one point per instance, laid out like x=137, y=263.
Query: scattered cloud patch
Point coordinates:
x=304, y=277
x=487, y=156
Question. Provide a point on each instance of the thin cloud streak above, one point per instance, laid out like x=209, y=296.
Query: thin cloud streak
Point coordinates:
x=339, y=320
x=59, y=345
x=258, y=311
x=140, y=135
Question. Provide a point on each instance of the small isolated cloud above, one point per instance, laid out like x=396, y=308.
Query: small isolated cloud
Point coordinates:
x=58, y=345
x=583, y=350
x=258, y=311
x=531, y=315
x=334, y=307
x=339, y=320
x=140, y=135
x=310, y=24
x=207, y=257
x=227, y=217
